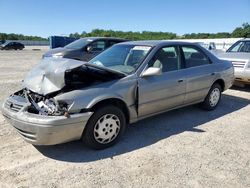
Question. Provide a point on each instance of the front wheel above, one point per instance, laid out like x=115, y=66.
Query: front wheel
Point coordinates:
x=213, y=97
x=104, y=128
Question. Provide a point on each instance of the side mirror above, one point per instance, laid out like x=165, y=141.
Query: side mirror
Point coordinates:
x=89, y=49
x=152, y=71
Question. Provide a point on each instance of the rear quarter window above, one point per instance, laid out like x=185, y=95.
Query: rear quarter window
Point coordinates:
x=194, y=57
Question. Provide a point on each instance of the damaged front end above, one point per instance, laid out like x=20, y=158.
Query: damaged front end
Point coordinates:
x=51, y=78
x=42, y=112
x=41, y=120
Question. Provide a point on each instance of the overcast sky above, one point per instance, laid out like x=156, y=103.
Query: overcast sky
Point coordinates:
x=60, y=17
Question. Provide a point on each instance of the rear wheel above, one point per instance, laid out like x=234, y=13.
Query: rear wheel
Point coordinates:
x=104, y=128
x=213, y=97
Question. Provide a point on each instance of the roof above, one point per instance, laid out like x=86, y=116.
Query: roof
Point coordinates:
x=245, y=39
x=155, y=42
x=110, y=38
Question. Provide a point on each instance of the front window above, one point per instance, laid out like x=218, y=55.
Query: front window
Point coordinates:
x=111, y=43
x=122, y=58
x=97, y=46
x=242, y=46
x=167, y=59
x=78, y=44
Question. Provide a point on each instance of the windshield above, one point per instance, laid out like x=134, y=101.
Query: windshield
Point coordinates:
x=4, y=44
x=122, y=58
x=78, y=44
x=242, y=46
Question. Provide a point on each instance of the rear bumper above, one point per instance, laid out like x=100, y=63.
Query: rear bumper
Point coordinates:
x=46, y=130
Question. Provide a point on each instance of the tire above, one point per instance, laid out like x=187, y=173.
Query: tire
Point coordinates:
x=104, y=128
x=213, y=98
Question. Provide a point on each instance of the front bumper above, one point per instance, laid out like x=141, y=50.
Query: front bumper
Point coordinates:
x=242, y=75
x=46, y=130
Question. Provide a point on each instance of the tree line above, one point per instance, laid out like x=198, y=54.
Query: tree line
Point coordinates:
x=13, y=36
x=239, y=32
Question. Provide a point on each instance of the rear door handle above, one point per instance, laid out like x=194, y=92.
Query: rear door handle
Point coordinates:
x=181, y=80
x=212, y=74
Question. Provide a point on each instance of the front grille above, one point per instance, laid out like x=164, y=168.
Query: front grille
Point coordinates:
x=13, y=106
x=239, y=64
x=15, y=103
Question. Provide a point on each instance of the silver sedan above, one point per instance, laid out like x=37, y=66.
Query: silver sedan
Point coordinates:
x=239, y=55
x=64, y=100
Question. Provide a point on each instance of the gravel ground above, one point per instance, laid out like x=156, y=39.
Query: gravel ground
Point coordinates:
x=187, y=147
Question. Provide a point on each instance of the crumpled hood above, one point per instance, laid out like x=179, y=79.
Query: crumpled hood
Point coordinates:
x=48, y=75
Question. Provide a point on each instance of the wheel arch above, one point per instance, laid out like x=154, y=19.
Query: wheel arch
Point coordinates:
x=221, y=82
x=112, y=101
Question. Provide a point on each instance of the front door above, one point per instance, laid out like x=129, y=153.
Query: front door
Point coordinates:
x=162, y=92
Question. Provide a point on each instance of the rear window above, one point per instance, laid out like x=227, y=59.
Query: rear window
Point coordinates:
x=241, y=46
x=194, y=57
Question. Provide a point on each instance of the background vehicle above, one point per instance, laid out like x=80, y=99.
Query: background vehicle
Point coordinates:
x=208, y=46
x=2, y=42
x=65, y=99
x=239, y=55
x=83, y=49
x=211, y=46
x=12, y=46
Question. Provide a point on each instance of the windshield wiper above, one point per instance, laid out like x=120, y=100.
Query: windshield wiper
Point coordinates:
x=106, y=69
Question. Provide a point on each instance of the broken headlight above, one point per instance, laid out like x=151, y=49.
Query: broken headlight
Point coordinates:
x=52, y=107
x=45, y=106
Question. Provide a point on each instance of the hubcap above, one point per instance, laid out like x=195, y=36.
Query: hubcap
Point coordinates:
x=214, y=97
x=107, y=128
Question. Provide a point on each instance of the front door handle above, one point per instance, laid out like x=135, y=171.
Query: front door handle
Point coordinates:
x=212, y=74
x=181, y=80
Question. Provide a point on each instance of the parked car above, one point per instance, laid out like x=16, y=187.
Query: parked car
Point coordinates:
x=12, y=46
x=211, y=46
x=208, y=46
x=83, y=49
x=2, y=41
x=239, y=55
x=69, y=99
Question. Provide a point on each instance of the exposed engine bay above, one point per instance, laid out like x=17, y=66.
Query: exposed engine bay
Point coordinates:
x=87, y=75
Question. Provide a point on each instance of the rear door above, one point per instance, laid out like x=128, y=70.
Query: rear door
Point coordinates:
x=162, y=92
x=9, y=46
x=15, y=45
x=199, y=73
